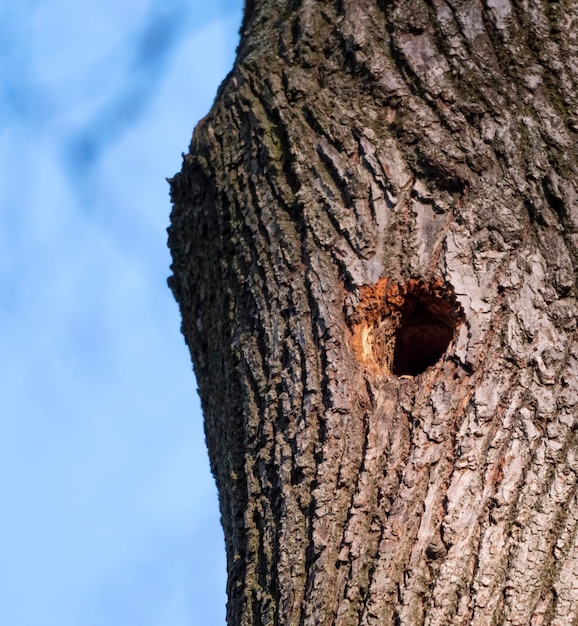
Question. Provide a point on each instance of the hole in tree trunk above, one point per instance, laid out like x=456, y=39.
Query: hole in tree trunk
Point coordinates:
x=422, y=337
x=403, y=329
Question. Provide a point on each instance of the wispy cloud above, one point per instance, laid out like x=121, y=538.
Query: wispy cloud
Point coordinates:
x=110, y=511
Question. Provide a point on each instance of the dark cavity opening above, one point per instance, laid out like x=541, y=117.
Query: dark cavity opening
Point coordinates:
x=426, y=327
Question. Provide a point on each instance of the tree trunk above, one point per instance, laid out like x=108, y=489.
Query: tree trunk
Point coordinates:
x=374, y=242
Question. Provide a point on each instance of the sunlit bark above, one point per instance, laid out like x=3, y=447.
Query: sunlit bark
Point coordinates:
x=375, y=239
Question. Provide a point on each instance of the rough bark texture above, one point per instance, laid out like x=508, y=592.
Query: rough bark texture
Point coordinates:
x=377, y=178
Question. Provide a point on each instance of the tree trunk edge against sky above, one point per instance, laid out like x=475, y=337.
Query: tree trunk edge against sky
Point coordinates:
x=375, y=180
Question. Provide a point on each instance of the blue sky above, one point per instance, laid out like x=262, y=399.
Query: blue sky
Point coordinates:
x=109, y=511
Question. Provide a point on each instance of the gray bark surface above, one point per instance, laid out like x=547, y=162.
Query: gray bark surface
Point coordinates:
x=375, y=179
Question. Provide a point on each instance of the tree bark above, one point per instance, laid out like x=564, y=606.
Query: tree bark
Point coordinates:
x=374, y=242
